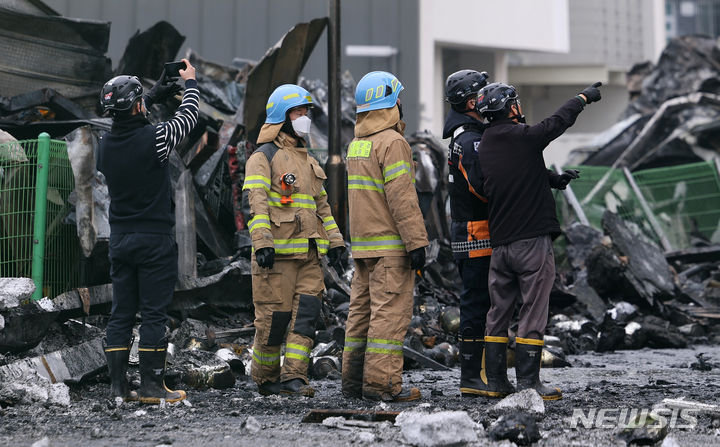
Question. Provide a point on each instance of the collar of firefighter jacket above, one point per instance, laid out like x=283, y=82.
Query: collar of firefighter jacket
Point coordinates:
x=285, y=141
x=374, y=121
x=268, y=133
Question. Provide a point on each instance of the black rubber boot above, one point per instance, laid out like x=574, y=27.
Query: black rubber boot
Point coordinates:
x=471, y=350
x=405, y=395
x=296, y=387
x=269, y=388
x=494, y=368
x=117, y=361
x=152, y=377
x=528, y=355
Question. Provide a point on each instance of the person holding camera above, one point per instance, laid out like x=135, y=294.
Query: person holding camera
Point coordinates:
x=523, y=223
x=291, y=226
x=133, y=156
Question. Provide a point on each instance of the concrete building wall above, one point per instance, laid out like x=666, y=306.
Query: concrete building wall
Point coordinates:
x=457, y=34
x=220, y=30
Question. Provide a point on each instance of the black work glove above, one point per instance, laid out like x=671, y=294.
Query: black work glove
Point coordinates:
x=265, y=257
x=592, y=93
x=417, y=259
x=561, y=181
x=162, y=90
x=334, y=255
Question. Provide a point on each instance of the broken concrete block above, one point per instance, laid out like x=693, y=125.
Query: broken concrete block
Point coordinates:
x=526, y=400
x=437, y=429
x=13, y=291
x=519, y=428
x=68, y=365
x=643, y=429
x=33, y=389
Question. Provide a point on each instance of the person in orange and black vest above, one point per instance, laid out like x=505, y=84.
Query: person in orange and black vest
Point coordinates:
x=470, y=229
x=470, y=237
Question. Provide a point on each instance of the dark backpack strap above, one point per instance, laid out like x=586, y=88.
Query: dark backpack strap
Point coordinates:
x=269, y=149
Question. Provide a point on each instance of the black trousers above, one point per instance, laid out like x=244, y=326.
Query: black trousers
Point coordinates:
x=475, y=297
x=143, y=269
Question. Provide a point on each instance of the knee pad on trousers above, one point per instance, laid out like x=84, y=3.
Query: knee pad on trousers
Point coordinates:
x=307, y=315
x=278, y=326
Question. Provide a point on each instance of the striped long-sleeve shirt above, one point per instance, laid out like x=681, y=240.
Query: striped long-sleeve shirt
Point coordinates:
x=134, y=156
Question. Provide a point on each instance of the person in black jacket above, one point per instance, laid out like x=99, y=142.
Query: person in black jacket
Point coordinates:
x=469, y=233
x=523, y=223
x=133, y=156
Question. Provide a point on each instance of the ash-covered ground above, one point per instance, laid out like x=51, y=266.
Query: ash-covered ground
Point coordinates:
x=620, y=380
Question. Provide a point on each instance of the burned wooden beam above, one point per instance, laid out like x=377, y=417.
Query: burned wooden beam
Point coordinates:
x=423, y=360
x=695, y=254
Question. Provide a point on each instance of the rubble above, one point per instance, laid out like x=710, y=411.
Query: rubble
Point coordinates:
x=526, y=400
x=519, y=427
x=14, y=291
x=444, y=428
x=644, y=429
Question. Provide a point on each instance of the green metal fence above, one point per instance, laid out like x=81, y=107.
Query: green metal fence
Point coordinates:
x=28, y=184
x=682, y=201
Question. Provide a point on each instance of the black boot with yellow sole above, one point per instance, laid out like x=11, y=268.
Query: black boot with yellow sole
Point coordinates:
x=152, y=377
x=528, y=355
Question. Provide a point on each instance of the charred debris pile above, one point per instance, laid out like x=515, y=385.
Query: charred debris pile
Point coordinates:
x=614, y=289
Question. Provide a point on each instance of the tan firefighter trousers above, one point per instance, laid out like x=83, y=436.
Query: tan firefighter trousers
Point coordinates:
x=381, y=304
x=286, y=296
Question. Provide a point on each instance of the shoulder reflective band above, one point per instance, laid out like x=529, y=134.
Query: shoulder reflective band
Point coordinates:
x=377, y=243
x=298, y=352
x=355, y=344
x=291, y=246
x=395, y=170
x=299, y=201
x=259, y=221
x=382, y=346
x=322, y=245
x=359, y=149
x=365, y=182
x=256, y=181
x=329, y=223
x=266, y=359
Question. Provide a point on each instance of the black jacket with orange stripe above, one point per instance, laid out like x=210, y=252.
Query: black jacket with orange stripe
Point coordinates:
x=468, y=205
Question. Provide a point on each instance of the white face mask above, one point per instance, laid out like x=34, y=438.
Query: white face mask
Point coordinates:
x=301, y=126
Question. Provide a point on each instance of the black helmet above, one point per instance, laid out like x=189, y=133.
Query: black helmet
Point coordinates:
x=460, y=85
x=493, y=98
x=119, y=93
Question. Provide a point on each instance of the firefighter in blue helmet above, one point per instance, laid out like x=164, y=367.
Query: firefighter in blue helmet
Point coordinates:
x=291, y=226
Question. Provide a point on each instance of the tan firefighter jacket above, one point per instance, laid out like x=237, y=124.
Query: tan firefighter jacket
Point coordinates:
x=286, y=219
x=385, y=218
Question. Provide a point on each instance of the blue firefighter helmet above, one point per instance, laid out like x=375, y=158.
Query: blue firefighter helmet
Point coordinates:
x=377, y=90
x=283, y=99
